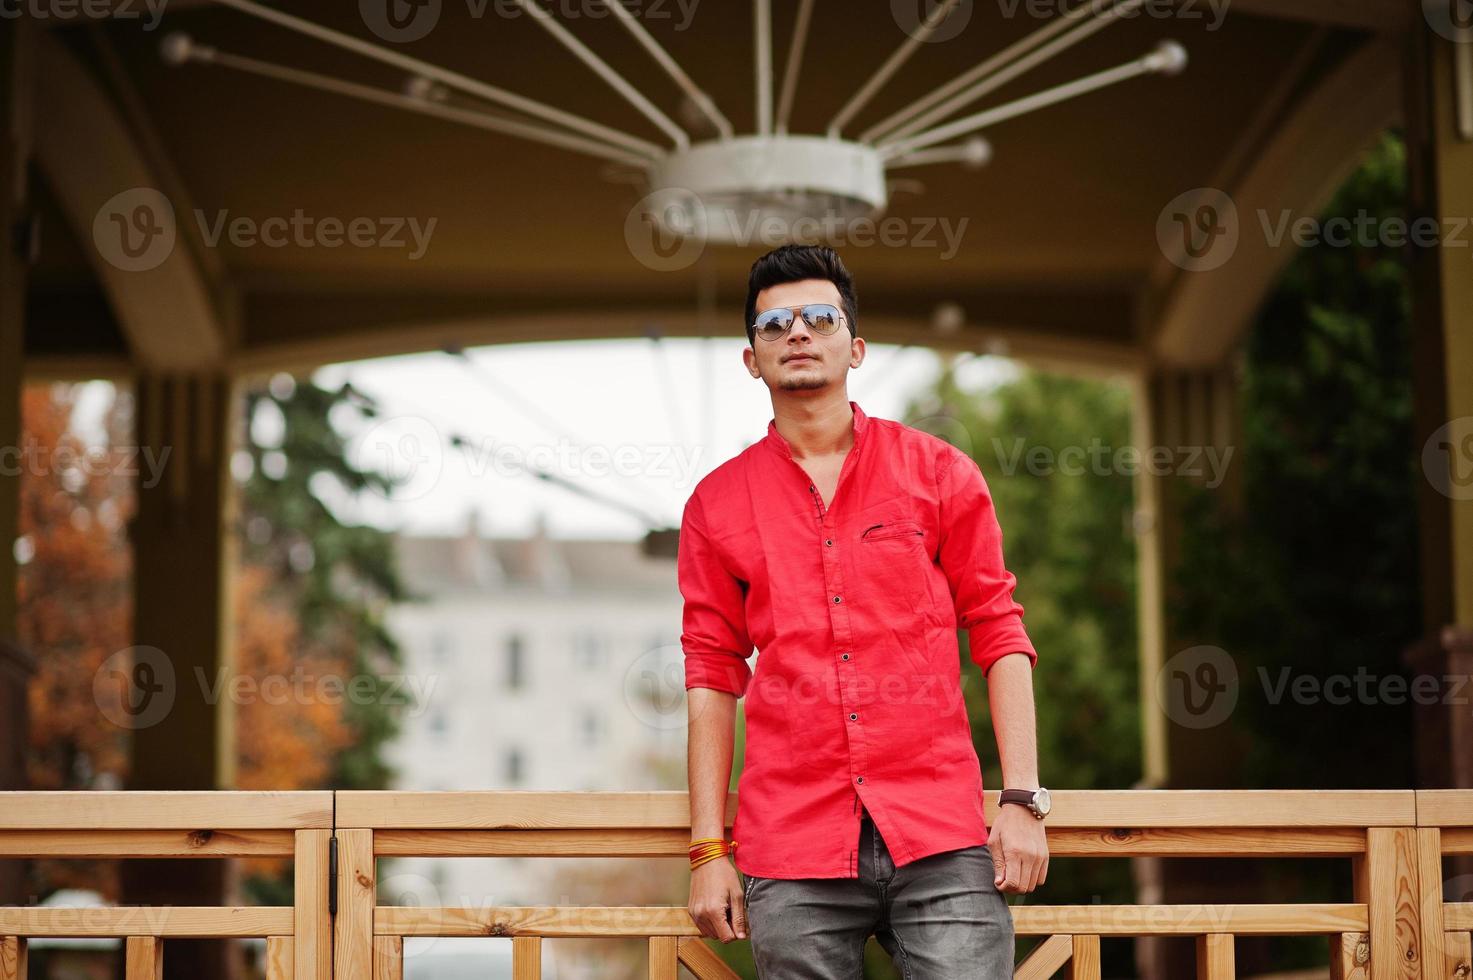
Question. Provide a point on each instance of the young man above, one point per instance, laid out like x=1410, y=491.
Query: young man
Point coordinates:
x=849, y=550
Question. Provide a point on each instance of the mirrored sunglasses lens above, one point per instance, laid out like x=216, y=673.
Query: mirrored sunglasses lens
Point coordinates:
x=774, y=324
x=821, y=317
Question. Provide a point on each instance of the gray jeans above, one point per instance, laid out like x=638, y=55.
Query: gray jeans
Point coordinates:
x=939, y=917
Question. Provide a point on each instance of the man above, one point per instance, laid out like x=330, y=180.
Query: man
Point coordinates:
x=849, y=550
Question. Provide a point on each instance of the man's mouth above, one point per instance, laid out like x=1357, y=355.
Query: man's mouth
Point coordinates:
x=801, y=357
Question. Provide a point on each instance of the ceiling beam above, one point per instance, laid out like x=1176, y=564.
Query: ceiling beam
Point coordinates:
x=1379, y=16
x=110, y=194
x=1203, y=315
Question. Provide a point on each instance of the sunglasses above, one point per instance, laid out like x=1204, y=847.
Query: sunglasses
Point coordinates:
x=822, y=318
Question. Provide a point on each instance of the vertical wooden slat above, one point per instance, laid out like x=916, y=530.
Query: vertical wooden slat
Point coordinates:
x=388, y=958
x=526, y=958
x=13, y=958
x=1386, y=881
x=664, y=964
x=1350, y=956
x=1215, y=957
x=1084, y=964
x=312, y=946
x=1457, y=957
x=279, y=957
x=1429, y=890
x=357, y=894
x=145, y=958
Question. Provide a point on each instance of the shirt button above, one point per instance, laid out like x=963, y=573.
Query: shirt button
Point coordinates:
x=844, y=656
x=853, y=717
x=829, y=542
x=838, y=598
x=859, y=779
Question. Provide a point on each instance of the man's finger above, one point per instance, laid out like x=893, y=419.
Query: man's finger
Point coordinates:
x=739, y=913
x=999, y=865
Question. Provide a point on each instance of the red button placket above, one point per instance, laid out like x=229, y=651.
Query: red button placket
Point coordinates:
x=845, y=659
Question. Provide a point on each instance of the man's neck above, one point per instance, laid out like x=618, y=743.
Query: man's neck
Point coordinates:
x=814, y=428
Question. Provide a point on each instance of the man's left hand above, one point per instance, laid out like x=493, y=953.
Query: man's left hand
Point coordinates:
x=1019, y=850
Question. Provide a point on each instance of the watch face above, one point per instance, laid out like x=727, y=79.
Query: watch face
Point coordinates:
x=1042, y=801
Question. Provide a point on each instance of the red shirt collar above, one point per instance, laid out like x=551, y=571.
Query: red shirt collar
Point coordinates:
x=780, y=445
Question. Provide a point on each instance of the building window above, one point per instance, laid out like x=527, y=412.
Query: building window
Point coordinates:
x=515, y=662
x=591, y=725
x=439, y=725
x=515, y=766
x=442, y=647
x=588, y=651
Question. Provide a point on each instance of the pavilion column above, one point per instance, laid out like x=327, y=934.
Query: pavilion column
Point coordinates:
x=1182, y=419
x=182, y=556
x=1440, y=185
x=16, y=665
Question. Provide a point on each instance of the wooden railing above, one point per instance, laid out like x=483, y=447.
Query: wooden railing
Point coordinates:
x=1394, y=925
x=1444, y=829
x=184, y=825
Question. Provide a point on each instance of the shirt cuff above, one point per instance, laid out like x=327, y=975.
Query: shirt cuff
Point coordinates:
x=990, y=642
x=719, y=671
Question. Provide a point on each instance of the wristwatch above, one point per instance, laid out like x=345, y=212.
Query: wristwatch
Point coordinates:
x=1037, y=801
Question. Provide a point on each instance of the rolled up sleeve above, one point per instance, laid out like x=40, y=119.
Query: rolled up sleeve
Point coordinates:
x=714, y=622
x=971, y=555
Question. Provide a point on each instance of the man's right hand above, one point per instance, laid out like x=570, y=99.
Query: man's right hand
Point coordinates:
x=715, y=892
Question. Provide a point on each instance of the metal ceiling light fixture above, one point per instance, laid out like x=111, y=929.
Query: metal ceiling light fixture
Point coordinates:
x=720, y=189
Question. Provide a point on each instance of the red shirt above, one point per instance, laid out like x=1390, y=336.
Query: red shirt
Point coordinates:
x=854, y=605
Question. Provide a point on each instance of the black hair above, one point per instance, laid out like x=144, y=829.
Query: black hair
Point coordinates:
x=794, y=263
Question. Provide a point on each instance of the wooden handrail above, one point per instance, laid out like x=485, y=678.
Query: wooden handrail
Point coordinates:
x=1396, y=926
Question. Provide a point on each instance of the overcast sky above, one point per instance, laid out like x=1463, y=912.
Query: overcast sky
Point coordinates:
x=636, y=422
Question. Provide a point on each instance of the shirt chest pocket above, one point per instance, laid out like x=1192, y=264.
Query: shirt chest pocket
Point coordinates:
x=895, y=561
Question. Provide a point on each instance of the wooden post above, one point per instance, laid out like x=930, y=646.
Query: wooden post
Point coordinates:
x=1386, y=881
x=1350, y=956
x=388, y=958
x=357, y=896
x=526, y=958
x=1215, y=957
x=279, y=957
x=145, y=956
x=664, y=962
x=13, y=958
x=1084, y=964
x=312, y=946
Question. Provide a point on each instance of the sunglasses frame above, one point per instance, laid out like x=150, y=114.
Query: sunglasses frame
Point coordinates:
x=797, y=311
